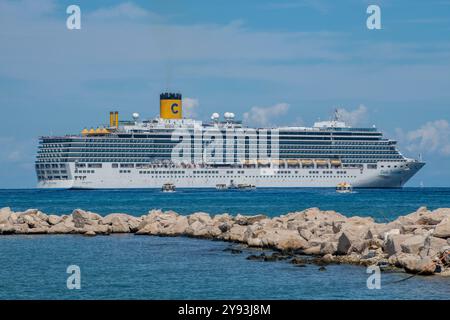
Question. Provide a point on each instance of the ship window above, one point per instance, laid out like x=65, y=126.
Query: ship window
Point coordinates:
x=127, y=165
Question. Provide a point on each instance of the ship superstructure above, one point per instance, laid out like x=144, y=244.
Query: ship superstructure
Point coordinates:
x=140, y=154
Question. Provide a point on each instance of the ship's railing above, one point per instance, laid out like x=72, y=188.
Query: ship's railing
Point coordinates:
x=257, y=163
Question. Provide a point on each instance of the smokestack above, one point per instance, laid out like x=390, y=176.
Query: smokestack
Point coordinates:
x=117, y=119
x=170, y=106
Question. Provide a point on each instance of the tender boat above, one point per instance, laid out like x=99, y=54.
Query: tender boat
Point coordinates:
x=245, y=186
x=233, y=186
x=344, y=187
x=168, y=187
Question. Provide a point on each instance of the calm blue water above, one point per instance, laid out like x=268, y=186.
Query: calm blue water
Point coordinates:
x=381, y=203
x=143, y=267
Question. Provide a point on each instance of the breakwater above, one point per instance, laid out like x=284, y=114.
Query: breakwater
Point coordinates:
x=418, y=242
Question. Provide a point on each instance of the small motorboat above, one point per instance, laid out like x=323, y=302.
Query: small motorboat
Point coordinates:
x=233, y=186
x=344, y=187
x=245, y=186
x=168, y=187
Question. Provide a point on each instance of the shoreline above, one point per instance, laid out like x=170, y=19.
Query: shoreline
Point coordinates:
x=418, y=242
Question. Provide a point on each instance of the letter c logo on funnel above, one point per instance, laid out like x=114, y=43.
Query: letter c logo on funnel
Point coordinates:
x=174, y=108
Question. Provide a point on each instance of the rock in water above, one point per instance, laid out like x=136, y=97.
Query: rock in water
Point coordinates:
x=261, y=257
x=53, y=219
x=224, y=227
x=5, y=213
x=299, y=261
x=393, y=243
x=121, y=223
x=80, y=218
x=65, y=227
x=286, y=240
x=305, y=233
x=413, y=244
x=328, y=258
x=350, y=238
x=248, y=220
x=433, y=246
x=390, y=232
x=442, y=230
x=6, y=228
x=417, y=265
x=236, y=233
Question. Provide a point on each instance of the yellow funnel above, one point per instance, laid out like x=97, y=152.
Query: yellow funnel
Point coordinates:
x=111, y=119
x=170, y=106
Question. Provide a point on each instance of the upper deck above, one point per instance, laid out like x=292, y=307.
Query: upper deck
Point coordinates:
x=151, y=140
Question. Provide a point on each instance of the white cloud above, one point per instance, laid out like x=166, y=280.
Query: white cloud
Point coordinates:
x=190, y=106
x=432, y=137
x=263, y=116
x=353, y=117
x=127, y=10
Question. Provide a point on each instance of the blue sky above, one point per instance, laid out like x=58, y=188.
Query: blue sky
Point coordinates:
x=306, y=56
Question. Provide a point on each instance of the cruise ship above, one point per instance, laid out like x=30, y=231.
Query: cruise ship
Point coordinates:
x=187, y=153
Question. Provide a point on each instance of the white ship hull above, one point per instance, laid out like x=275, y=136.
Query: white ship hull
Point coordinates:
x=387, y=175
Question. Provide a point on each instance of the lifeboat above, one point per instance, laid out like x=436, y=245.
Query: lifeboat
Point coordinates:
x=247, y=162
x=263, y=162
x=307, y=162
x=277, y=162
x=336, y=163
x=292, y=162
x=344, y=187
x=321, y=162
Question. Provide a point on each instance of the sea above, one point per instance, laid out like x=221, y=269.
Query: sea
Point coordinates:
x=148, y=267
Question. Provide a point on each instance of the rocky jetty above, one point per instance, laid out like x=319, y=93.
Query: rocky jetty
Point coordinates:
x=418, y=242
